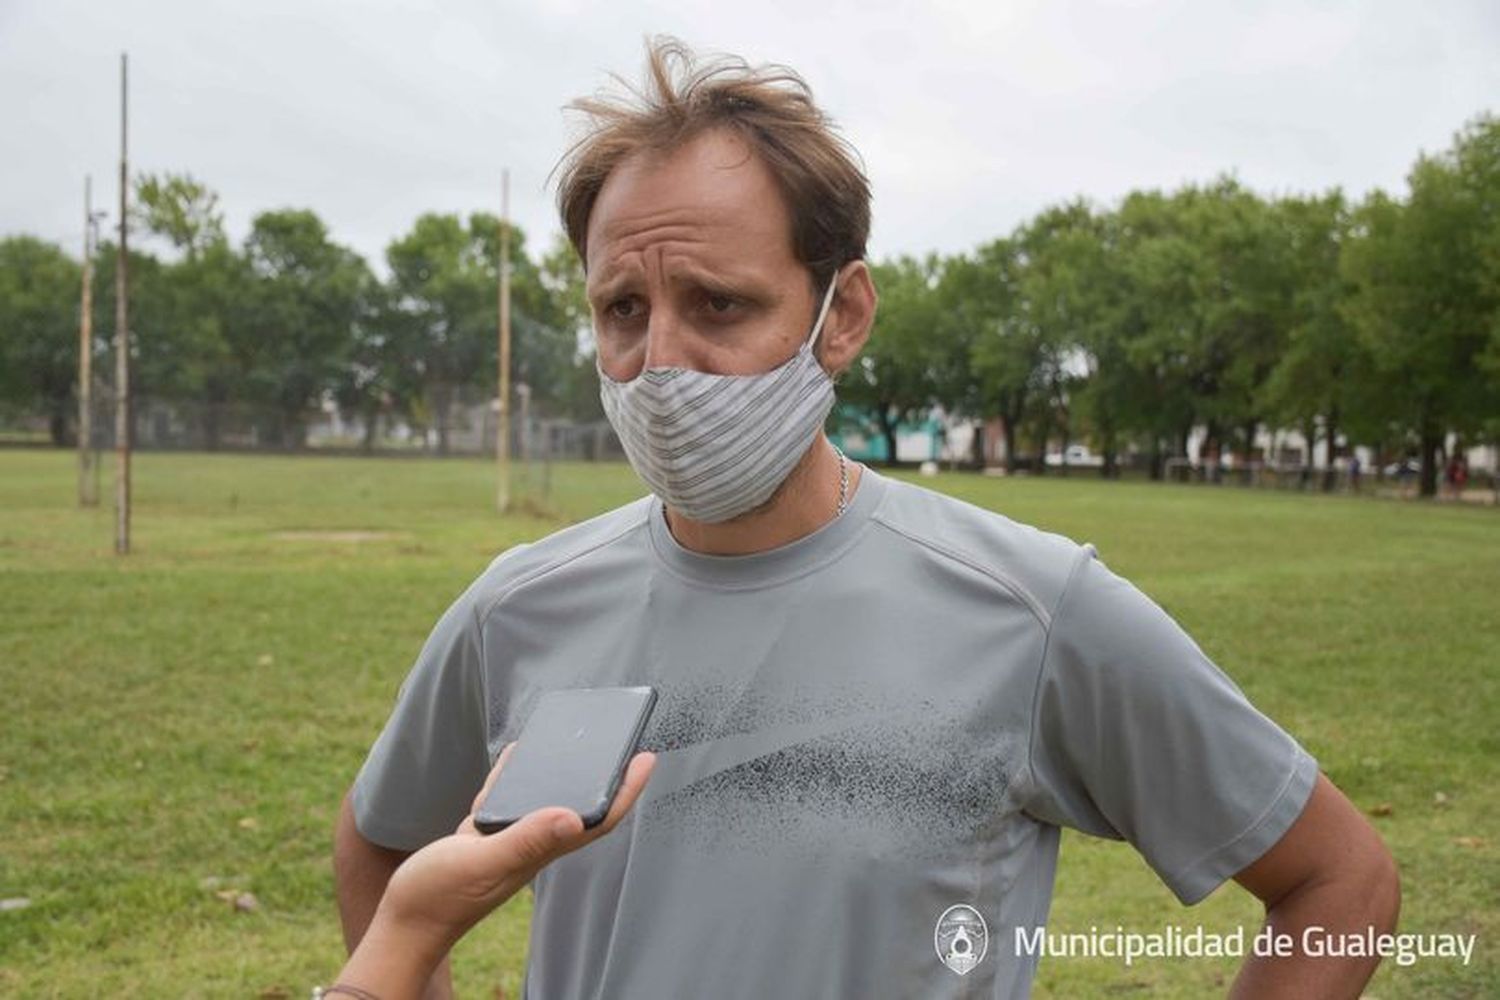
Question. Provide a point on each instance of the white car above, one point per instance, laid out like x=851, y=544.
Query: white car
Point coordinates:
x=1077, y=454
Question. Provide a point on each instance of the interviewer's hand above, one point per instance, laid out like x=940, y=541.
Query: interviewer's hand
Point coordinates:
x=451, y=884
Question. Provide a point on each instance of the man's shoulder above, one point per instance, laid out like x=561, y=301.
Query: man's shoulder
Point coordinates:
x=1033, y=563
x=529, y=561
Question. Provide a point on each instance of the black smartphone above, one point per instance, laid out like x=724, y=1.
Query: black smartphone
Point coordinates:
x=572, y=751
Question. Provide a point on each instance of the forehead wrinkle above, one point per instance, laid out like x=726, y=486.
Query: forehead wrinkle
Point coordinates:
x=691, y=269
x=684, y=223
x=698, y=244
x=678, y=265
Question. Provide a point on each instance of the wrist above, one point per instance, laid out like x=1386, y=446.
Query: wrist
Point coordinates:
x=395, y=958
x=427, y=940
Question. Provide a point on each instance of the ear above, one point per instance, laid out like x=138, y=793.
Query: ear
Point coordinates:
x=850, y=318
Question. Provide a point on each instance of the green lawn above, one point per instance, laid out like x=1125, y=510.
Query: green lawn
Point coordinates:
x=182, y=722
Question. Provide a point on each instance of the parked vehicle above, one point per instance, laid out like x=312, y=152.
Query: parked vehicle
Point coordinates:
x=1077, y=454
x=1403, y=469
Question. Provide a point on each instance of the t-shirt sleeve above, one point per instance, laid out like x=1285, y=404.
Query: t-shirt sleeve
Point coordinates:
x=1136, y=734
x=422, y=773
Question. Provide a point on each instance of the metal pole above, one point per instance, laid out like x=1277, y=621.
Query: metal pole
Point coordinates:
x=122, y=344
x=88, y=494
x=502, y=443
x=524, y=391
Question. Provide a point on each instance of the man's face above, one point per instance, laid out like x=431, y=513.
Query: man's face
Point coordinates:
x=690, y=264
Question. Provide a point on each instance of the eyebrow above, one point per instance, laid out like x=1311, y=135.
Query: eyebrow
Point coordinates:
x=741, y=282
x=715, y=281
x=605, y=287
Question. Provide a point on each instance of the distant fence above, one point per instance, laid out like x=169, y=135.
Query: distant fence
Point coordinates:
x=193, y=425
x=470, y=430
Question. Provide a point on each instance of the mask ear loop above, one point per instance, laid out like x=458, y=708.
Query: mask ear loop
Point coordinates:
x=817, y=330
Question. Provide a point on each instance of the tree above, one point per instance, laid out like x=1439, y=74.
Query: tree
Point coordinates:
x=443, y=287
x=1004, y=351
x=157, y=359
x=1242, y=309
x=179, y=209
x=1478, y=161
x=1321, y=370
x=561, y=276
x=308, y=296
x=1058, y=304
x=1162, y=275
x=198, y=351
x=39, y=330
x=897, y=374
x=1113, y=391
x=1424, y=298
x=443, y=312
x=544, y=340
x=377, y=379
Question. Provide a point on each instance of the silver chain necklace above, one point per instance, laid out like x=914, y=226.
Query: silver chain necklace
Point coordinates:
x=843, y=481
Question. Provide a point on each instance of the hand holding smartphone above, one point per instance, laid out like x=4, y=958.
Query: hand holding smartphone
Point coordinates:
x=572, y=751
x=445, y=888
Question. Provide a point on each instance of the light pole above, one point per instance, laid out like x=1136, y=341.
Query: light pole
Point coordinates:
x=122, y=343
x=88, y=460
x=502, y=431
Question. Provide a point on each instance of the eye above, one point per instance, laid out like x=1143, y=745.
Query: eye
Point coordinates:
x=625, y=308
x=720, y=303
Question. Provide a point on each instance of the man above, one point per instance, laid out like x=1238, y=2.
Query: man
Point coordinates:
x=877, y=704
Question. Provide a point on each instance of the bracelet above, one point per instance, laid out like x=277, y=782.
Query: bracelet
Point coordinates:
x=319, y=992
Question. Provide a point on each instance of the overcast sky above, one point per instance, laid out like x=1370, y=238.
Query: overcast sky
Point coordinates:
x=971, y=115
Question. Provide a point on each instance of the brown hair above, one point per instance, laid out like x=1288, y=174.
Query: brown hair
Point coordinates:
x=770, y=107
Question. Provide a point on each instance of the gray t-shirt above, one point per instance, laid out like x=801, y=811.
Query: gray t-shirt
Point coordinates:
x=868, y=739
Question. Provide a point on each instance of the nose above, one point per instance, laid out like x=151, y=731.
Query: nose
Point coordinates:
x=666, y=340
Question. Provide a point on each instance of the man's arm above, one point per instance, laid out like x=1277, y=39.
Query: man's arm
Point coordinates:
x=1331, y=870
x=361, y=870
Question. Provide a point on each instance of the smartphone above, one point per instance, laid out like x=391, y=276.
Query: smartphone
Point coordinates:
x=572, y=751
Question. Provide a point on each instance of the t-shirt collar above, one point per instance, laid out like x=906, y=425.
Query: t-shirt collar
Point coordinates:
x=763, y=569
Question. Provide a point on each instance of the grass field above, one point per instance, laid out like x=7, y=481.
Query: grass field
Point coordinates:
x=181, y=723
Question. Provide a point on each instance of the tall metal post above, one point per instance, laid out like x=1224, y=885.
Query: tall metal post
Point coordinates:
x=122, y=341
x=502, y=443
x=88, y=494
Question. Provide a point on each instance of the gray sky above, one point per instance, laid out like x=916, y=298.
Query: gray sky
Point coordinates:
x=971, y=116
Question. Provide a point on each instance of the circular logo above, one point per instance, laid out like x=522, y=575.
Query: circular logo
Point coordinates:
x=961, y=938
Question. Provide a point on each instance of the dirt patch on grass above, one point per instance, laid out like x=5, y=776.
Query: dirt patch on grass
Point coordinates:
x=350, y=537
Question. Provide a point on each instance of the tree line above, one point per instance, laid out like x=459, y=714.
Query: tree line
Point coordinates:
x=289, y=318
x=1124, y=326
x=1212, y=307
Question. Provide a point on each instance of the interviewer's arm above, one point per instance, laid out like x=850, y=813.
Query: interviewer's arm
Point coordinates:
x=362, y=871
x=444, y=889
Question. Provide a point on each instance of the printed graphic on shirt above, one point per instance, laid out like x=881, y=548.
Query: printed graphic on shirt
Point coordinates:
x=840, y=773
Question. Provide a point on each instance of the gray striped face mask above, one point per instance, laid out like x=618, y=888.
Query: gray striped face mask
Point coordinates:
x=715, y=446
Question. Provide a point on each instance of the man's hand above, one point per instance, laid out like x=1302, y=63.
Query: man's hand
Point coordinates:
x=1330, y=870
